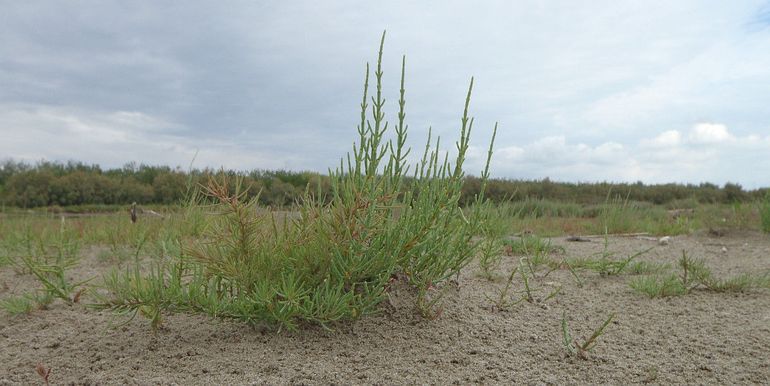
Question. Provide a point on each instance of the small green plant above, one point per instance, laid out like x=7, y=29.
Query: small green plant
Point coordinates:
x=581, y=349
x=574, y=274
x=503, y=299
x=53, y=278
x=694, y=272
x=490, y=256
x=527, y=293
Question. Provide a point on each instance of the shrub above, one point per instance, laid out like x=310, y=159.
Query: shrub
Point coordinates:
x=335, y=259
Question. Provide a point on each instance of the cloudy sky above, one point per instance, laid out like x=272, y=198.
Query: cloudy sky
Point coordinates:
x=657, y=91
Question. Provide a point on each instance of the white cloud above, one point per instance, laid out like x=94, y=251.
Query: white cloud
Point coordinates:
x=710, y=133
x=555, y=157
x=582, y=90
x=115, y=138
x=697, y=81
x=709, y=153
x=557, y=151
x=665, y=139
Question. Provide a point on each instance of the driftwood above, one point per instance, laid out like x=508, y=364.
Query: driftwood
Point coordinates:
x=136, y=211
x=665, y=240
x=618, y=235
x=152, y=213
x=676, y=213
x=579, y=239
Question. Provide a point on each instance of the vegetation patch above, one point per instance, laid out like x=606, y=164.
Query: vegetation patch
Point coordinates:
x=764, y=214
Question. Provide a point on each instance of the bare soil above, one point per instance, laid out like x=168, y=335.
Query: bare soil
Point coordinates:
x=700, y=338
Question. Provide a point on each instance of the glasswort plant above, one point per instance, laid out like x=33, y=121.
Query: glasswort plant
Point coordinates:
x=335, y=258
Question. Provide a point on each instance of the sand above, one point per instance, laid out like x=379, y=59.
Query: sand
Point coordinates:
x=701, y=338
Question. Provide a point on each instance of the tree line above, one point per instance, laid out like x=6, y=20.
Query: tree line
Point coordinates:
x=46, y=183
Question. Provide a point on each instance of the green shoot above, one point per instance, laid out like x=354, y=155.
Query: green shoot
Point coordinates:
x=581, y=349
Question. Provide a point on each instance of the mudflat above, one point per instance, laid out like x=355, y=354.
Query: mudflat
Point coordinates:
x=701, y=337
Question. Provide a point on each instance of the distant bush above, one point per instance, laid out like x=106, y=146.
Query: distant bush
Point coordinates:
x=764, y=214
x=47, y=184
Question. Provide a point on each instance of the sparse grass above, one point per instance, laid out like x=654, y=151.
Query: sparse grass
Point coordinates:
x=619, y=215
x=529, y=245
x=647, y=267
x=720, y=218
x=47, y=255
x=116, y=255
x=605, y=264
x=545, y=219
x=528, y=293
x=5, y=257
x=24, y=232
x=695, y=274
x=616, y=215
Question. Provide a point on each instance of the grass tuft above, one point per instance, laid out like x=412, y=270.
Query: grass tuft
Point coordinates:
x=531, y=245
x=659, y=286
x=18, y=305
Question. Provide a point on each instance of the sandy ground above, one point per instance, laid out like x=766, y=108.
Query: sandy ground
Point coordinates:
x=701, y=338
